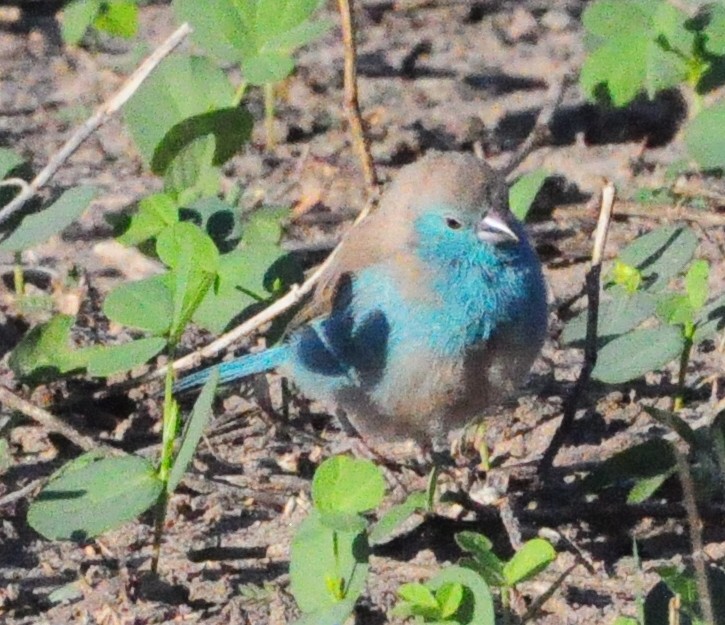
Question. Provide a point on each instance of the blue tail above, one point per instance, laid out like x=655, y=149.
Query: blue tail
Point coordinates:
x=237, y=368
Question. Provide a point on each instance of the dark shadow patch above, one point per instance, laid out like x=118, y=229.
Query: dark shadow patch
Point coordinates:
x=496, y=83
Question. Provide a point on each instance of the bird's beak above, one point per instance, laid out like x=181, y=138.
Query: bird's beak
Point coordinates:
x=494, y=229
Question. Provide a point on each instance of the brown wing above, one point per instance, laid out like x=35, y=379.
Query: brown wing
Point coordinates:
x=365, y=244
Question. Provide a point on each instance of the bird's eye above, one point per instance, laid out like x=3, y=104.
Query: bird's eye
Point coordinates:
x=453, y=224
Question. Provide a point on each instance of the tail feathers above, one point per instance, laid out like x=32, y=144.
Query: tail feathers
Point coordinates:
x=236, y=369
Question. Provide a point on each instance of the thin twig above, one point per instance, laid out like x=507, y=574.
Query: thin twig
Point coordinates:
x=352, y=105
x=695, y=523
x=553, y=99
x=571, y=403
x=539, y=602
x=100, y=117
x=660, y=212
x=22, y=492
x=49, y=421
x=23, y=185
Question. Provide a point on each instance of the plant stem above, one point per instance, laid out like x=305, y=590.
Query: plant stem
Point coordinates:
x=168, y=436
x=506, y=604
x=269, y=114
x=431, y=489
x=19, y=276
x=239, y=93
x=679, y=400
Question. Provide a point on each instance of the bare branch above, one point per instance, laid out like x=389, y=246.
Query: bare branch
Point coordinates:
x=552, y=101
x=571, y=403
x=695, y=522
x=49, y=421
x=352, y=105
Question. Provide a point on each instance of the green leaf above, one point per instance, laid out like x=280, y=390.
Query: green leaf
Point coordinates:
x=631, y=355
x=614, y=18
x=645, y=487
x=220, y=220
x=524, y=191
x=36, y=228
x=660, y=255
x=675, y=308
x=191, y=175
x=219, y=27
x=477, y=605
x=680, y=583
x=77, y=17
x=626, y=276
x=87, y=500
x=449, y=597
x=696, y=283
x=618, y=67
x=200, y=415
x=118, y=18
x=473, y=542
x=267, y=68
x=181, y=87
x=250, y=275
x=484, y=561
x=312, y=561
x=259, y=34
x=710, y=320
x=668, y=50
x=616, y=316
x=421, y=600
x=645, y=460
x=703, y=137
x=145, y=304
x=230, y=127
x=194, y=261
x=396, y=516
x=534, y=556
x=715, y=29
x=345, y=485
x=45, y=352
x=9, y=160
x=331, y=615
x=636, y=45
x=105, y=360
x=155, y=212
x=625, y=620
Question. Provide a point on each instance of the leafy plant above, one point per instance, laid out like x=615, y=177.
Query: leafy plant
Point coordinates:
x=330, y=550
x=192, y=259
x=456, y=596
x=115, y=17
x=647, y=46
x=637, y=295
x=260, y=35
x=534, y=556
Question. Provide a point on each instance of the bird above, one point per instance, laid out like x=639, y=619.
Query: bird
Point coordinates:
x=431, y=312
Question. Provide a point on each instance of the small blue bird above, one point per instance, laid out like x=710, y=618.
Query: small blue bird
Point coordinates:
x=432, y=311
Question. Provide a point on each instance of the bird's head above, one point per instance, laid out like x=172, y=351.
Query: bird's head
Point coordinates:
x=455, y=208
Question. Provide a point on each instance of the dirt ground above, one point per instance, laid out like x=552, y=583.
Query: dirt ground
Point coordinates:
x=442, y=75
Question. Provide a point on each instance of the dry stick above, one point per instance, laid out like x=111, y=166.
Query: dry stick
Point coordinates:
x=695, y=523
x=100, y=117
x=590, y=346
x=352, y=105
x=48, y=420
x=541, y=127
